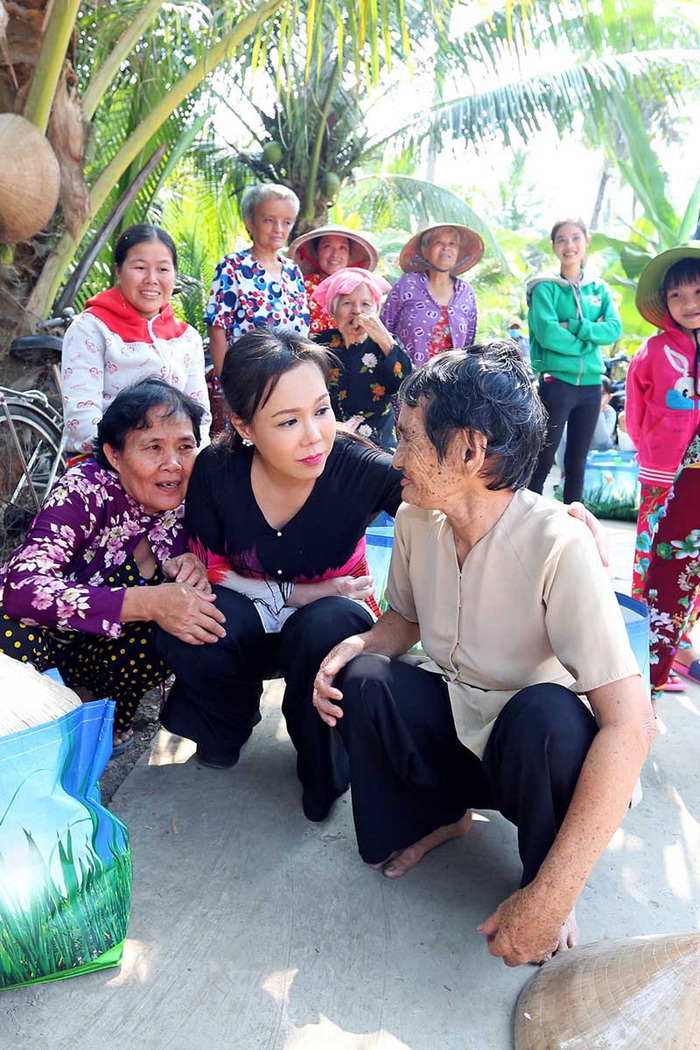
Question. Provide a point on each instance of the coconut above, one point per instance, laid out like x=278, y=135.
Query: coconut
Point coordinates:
x=29, y=179
x=329, y=185
x=272, y=153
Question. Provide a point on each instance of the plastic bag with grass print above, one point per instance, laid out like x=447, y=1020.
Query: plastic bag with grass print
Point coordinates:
x=611, y=486
x=65, y=860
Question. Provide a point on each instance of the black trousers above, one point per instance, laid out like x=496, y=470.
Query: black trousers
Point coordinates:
x=215, y=700
x=578, y=407
x=411, y=774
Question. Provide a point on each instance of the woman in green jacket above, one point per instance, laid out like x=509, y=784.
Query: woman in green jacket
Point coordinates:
x=570, y=319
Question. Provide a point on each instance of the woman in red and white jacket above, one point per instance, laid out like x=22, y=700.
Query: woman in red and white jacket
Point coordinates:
x=662, y=409
x=130, y=333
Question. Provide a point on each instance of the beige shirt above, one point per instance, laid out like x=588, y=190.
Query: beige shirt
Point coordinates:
x=532, y=603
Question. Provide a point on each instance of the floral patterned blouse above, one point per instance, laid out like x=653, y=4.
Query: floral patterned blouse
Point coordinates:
x=320, y=320
x=87, y=527
x=243, y=296
x=363, y=382
x=441, y=339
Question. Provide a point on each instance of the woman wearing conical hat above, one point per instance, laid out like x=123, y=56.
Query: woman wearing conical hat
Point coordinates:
x=322, y=252
x=431, y=308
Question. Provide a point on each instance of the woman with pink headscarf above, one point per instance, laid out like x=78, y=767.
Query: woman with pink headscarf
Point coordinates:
x=371, y=362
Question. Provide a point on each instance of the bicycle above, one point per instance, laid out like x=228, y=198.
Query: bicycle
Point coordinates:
x=32, y=442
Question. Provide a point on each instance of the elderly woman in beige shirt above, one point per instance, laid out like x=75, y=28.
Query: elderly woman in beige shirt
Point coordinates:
x=517, y=620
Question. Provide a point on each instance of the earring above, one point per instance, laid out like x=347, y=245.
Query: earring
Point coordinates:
x=247, y=442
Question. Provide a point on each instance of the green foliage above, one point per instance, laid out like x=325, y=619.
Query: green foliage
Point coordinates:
x=203, y=220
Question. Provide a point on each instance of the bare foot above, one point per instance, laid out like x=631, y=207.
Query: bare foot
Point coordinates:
x=402, y=861
x=121, y=736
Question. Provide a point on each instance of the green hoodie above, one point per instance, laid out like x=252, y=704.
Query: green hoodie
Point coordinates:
x=572, y=354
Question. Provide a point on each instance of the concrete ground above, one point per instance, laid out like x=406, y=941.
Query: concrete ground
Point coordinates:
x=252, y=928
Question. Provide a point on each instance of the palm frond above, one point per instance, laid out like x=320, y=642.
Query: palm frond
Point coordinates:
x=402, y=203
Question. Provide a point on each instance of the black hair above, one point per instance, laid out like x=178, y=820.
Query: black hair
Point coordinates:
x=685, y=271
x=568, y=222
x=131, y=408
x=142, y=232
x=606, y=383
x=254, y=364
x=483, y=388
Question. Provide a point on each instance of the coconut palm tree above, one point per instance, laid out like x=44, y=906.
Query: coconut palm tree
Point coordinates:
x=133, y=69
x=505, y=75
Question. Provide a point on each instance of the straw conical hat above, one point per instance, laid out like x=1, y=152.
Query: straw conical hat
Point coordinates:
x=30, y=698
x=650, y=302
x=303, y=250
x=29, y=179
x=636, y=994
x=471, y=249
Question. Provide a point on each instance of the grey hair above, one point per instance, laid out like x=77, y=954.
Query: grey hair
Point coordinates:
x=484, y=388
x=427, y=238
x=265, y=191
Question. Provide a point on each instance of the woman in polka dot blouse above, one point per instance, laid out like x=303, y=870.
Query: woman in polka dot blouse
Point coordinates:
x=105, y=559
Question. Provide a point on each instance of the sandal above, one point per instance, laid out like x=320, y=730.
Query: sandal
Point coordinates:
x=123, y=745
x=692, y=673
x=673, y=684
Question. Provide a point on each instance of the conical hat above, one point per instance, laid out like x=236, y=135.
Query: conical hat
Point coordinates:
x=642, y=993
x=471, y=249
x=29, y=179
x=303, y=249
x=30, y=698
x=650, y=302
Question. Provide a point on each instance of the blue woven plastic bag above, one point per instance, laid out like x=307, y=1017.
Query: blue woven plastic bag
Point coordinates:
x=65, y=860
x=611, y=486
x=380, y=539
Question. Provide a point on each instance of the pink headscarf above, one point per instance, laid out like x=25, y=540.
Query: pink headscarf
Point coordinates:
x=342, y=282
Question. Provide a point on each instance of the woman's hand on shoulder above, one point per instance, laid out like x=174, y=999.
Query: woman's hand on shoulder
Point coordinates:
x=598, y=531
x=187, y=568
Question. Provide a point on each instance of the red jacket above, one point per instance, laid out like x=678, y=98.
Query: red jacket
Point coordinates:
x=662, y=409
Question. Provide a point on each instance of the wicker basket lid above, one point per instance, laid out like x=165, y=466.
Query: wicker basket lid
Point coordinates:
x=29, y=179
x=641, y=993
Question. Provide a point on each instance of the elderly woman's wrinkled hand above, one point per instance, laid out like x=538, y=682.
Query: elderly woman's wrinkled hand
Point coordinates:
x=600, y=535
x=325, y=695
x=523, y=929
x=188, y=614
x=187, y=568
x=369, y=324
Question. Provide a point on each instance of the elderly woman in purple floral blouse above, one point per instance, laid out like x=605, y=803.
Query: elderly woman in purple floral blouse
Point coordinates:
x=430, y=309
x=105, y=558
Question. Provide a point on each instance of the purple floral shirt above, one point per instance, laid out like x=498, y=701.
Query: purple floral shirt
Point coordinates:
x=410, y=313
x=87, y=528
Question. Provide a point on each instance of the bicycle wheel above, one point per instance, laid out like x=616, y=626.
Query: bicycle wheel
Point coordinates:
x=40, y=443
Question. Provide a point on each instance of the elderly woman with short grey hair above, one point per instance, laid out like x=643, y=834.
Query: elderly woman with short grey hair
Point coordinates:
x=518, y=620
x=258, y=287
